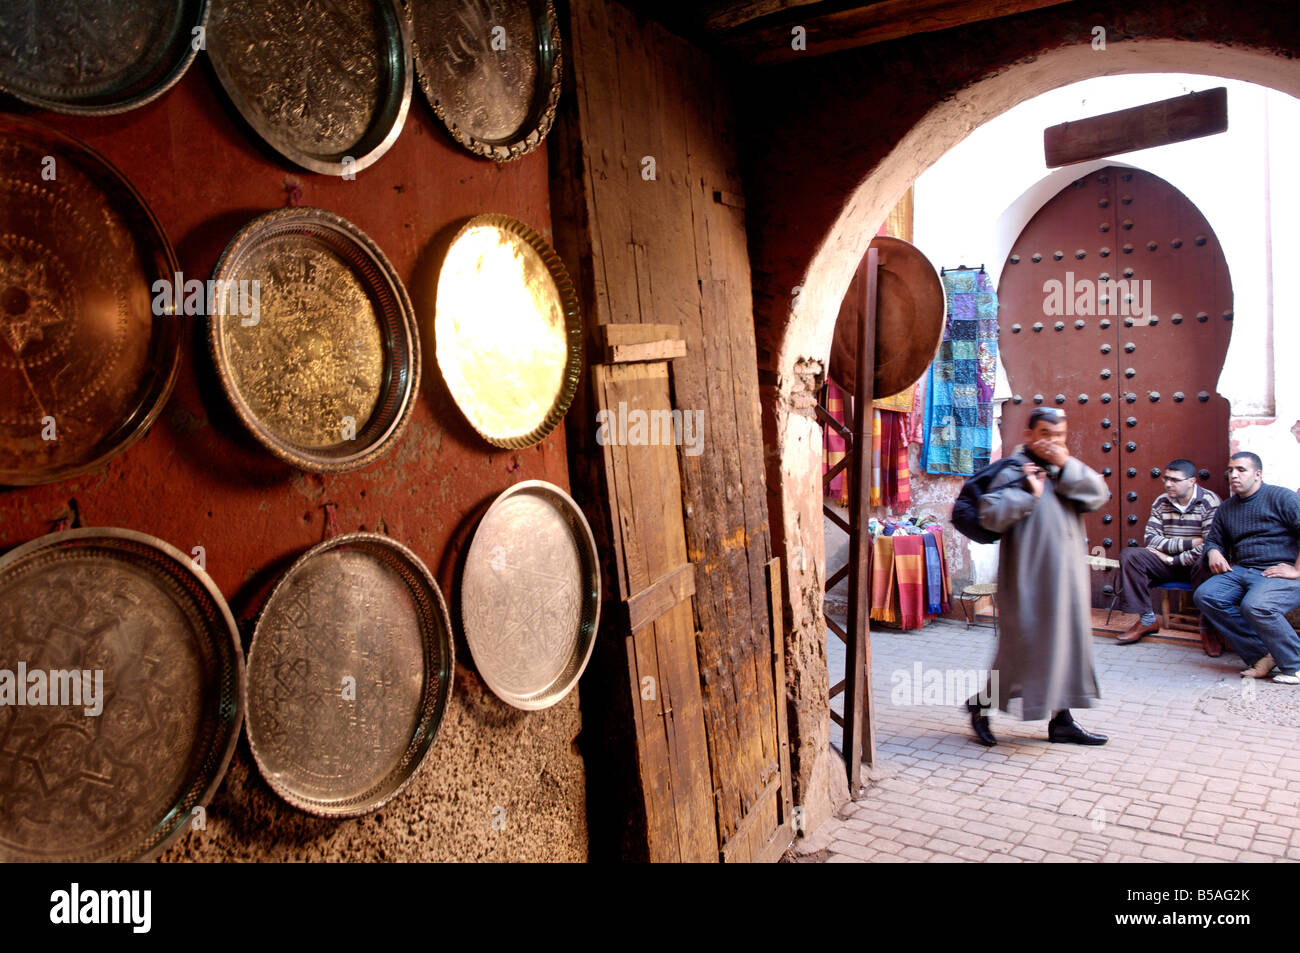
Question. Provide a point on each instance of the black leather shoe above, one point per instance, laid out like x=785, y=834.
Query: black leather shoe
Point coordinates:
x=1064, y=731
x=979, y=723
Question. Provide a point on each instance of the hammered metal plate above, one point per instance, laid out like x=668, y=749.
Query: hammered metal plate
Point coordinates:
x=85, y=367
x=121, y=784
x=508, y=335
x=349, y=674
x=97, y=56
x=326, y=84
x=530, y=595
x=325, y=374
x=491, y=70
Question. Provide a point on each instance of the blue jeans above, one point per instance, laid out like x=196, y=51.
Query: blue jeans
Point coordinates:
x=1259, y=627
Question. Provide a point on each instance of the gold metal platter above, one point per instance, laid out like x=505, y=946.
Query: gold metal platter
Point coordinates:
x=326, y=371
x=162, y=665
x=508, y=334
x=349, y=674
x=530, y=595
x=97, y=56
x=491, y=70
x=327, y=85
x=85, y=365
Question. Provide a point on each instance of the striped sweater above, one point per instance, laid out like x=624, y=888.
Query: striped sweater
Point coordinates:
x=1172, y=532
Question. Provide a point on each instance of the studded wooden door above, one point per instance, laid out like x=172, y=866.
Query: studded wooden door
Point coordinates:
x=1116, y=305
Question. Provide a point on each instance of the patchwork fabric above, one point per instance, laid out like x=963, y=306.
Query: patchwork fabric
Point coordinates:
x=959, y=394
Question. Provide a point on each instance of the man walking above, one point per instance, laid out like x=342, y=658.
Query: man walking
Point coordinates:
x=1253, y=550
x=1044, y=654
x=1175, y=538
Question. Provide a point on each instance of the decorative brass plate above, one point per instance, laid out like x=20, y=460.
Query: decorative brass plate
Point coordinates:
x=349, y=674
x=491, y=70
x=530, y=595
x=121, y=784
x=508, y=334
x=326, y=372
x=85, y=367
x=328, y=85
x=97, y=56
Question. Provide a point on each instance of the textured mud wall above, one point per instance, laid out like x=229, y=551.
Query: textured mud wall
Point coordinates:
x=499, y=783
x=830, y=143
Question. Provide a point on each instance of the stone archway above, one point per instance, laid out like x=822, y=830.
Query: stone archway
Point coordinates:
x=832, y=144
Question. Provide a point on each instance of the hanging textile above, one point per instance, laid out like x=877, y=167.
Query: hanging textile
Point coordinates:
x=909, y=569
x=883, y=602
x=876, y=496
x=901, y=491
x=833, y=447
x=959, y=398
x=934, y=594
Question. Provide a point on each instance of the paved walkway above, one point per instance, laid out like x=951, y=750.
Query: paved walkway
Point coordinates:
x=1199, y=767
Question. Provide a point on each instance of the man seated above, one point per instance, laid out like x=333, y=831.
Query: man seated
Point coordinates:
x=1253, y=550
x=1175, y=538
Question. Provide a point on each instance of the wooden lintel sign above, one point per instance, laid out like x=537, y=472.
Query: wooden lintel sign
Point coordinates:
x=1142, y=127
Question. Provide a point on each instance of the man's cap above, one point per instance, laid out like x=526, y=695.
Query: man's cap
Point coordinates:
x=1054, y=415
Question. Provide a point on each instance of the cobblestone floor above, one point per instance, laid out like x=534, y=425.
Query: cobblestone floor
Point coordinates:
x=1197, y=767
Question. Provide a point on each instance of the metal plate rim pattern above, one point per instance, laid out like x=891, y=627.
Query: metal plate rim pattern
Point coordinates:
x=143, y=98
x=542, y=111
x=143, y=419
x=438, y=685
x=400, y=61
x=233, y=725
x=548, y=695
x=572, y=329
x=285, y=220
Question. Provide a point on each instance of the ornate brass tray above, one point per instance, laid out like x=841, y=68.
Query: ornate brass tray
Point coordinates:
x=327, y=85
x=96, y=56
x=121, y=783
x=530, y=595
x=349, y=674
x=85, y=366
x=508, y=335
x=491, y=70
x=326, y=372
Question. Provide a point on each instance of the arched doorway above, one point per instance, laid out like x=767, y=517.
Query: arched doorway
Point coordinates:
x=1116, y=305
x=825, y=166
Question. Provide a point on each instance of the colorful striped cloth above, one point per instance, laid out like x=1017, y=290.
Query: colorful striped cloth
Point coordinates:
x=883, y=603
x=833, y=446
x=934, y=600
x=909, y=570
x=876, y=495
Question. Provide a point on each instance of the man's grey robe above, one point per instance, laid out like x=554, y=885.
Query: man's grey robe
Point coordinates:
x=1044, y=597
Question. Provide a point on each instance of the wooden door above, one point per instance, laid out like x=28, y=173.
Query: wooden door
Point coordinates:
x=648, y=206
x=1115, y=304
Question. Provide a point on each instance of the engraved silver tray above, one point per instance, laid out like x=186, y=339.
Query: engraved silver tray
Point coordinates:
x=530, y=595
x=97, y=56
x=327, y=85
x=349, y=674
x=121, y=784
x=491, y=70
x=325, y=374
x=85, y=364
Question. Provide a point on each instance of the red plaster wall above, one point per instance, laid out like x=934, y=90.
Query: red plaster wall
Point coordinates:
x=198, y=478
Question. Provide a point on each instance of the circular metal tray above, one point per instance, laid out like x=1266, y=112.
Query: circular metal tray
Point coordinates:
x=328, y=86
x=507, y=331
x=85, y=366
x=60, y=55
x=325, y=374
x=491, y=70
x=121, y=784
x=530, y=595
x=358, y=615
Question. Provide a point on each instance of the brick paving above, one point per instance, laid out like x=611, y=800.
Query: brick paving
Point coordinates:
x=1198, y=768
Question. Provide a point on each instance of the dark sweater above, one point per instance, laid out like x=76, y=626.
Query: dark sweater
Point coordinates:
x=1259, y=531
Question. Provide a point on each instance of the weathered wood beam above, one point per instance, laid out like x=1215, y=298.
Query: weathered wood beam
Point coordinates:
x=828, y=30
x=1192, y=116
